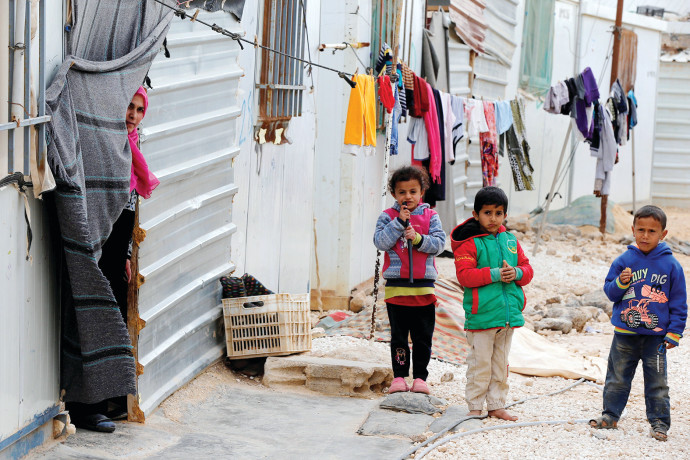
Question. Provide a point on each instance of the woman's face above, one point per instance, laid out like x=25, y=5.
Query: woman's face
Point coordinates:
x=135, y=112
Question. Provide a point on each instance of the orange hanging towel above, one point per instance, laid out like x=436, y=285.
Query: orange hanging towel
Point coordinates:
x=360, y=126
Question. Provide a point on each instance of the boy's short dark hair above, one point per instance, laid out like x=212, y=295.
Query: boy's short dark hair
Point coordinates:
x=490, y=196
x=406, y=173
x=654, y=212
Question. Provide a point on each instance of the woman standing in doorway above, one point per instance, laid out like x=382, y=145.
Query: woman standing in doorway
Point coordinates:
x=116, y=265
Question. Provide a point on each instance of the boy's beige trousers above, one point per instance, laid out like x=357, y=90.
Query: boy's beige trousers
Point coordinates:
x=487, y=368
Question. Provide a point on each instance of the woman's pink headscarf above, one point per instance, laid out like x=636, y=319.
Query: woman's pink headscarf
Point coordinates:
x=142, y=179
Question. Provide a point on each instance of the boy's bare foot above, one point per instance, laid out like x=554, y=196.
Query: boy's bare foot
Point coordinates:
x=474, y=412
x=503, y=415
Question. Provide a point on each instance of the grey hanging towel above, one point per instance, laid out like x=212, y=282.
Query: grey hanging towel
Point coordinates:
x=111, y=46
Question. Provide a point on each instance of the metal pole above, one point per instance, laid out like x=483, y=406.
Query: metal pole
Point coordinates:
x=41, y=80
x=10, y=134
x=634, y=203
x=27, y=85
x=553, y=187
x=578, y=60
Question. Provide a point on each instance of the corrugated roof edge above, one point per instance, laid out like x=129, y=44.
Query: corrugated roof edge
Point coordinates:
x=470, y=25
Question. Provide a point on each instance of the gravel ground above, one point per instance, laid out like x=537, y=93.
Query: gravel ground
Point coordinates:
x=558, y=272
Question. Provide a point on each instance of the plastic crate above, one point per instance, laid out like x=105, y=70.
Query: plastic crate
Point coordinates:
x=281, y=326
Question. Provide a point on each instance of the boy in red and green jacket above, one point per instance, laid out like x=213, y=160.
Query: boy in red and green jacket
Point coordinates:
x=492, y=267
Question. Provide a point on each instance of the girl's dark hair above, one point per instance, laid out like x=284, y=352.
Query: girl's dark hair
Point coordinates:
x=406, y=173
x=654, y=212
x=491, y=196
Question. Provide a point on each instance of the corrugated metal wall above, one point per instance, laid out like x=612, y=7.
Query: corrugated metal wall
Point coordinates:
x=671, y=170
x=189, y=138
x=460, y=69
x=491, y=75
x=30, y=312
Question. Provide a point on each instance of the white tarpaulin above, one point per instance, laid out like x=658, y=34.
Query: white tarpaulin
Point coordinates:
x=532, y=354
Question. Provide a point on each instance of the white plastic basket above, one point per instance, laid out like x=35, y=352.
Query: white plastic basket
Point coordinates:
x=281, y=326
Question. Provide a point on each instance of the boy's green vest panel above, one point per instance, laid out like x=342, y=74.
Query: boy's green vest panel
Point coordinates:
x=497, y=304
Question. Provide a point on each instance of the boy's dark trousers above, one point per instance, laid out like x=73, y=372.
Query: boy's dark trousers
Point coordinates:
x=419, y=323
x=626, y=352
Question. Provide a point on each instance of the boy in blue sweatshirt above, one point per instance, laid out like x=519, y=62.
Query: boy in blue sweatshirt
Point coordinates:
x=647, y=285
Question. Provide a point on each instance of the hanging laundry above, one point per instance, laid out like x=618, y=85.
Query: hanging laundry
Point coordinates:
x=437, y=188
x=408, y=83
x=386, y=92
x=567, y=107
x=397, y=111
x=449, y=123
x=476, y=120
x=521, y=165
x=489, y=146
x=421, y=98
x=518, y=160
x=574, y=97
x=417, y=136
x=605, y=154
x=401, y=89
x=432, y=127
x=590, y=86
x=632, y=108
x=385, y=59
x=430, y=60
x=504, y=116
x=360, y=125
x=597, y=125
x=437, y=36
x=458, y=107
x=556, y=98
x=619, y=112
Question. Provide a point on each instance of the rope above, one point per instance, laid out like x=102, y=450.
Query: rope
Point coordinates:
x=306, y=30
x=499, y=427
x=319, y=302
x=481, y=417
x=182, y=14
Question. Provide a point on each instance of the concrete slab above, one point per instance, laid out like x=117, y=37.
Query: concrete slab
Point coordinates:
x=220, y=418
x=328, y=376
x=389, y=423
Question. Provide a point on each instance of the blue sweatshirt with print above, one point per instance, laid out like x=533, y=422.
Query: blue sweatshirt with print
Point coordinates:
x=654, y=302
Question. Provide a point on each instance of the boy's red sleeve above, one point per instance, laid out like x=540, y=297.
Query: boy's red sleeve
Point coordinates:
x=466, y=266
x=523, y=264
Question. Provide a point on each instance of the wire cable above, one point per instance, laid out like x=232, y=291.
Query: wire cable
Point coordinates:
x=464, y=418
x=498, y=427
x=182, y=14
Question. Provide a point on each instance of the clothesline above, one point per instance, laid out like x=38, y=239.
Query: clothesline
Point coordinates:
x=604, y=126
x=439, y=121
x=182, y=14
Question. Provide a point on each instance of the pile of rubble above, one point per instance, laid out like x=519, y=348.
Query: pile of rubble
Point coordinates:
x=568, y=313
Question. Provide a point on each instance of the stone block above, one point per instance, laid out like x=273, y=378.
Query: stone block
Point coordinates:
x=337, y=377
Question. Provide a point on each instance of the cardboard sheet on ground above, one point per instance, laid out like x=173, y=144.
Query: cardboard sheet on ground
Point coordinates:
x=531, y=354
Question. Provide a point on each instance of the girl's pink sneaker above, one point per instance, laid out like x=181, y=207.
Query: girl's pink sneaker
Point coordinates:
x=398, y=385
x=420, y=386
